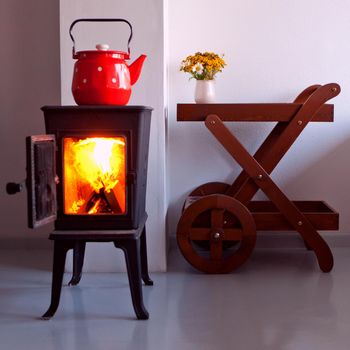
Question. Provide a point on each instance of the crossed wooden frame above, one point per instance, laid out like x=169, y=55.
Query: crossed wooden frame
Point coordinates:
x=217, y=212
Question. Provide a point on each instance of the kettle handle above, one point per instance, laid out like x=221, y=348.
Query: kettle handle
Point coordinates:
x=99, y=20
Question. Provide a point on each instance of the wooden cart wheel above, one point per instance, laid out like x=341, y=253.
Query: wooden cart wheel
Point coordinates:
x=205, y=190
x=210, y=188
x=216, y=232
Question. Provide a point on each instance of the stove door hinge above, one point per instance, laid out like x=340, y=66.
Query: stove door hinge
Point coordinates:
x=131, y=178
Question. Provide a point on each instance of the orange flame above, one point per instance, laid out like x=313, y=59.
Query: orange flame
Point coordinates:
x=94, y=175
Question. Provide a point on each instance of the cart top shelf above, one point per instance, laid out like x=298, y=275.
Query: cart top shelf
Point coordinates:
x=249, y=112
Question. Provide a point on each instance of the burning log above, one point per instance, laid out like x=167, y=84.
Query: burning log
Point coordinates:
x=102, y=202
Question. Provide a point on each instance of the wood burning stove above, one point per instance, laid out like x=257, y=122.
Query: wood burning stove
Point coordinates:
x=99, y=154
x=88, y=175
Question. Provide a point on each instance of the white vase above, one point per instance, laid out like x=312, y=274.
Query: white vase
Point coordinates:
x=204, y=91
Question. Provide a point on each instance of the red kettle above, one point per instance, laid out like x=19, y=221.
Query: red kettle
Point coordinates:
x=102, y=76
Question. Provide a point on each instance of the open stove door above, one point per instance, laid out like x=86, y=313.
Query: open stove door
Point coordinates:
x=41, y=180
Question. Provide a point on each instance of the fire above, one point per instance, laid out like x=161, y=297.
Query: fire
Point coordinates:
x=94, y=175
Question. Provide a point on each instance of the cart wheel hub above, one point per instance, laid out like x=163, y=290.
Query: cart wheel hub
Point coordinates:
x=217, y=236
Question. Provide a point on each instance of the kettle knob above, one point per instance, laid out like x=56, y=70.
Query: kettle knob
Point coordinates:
x=102, y=47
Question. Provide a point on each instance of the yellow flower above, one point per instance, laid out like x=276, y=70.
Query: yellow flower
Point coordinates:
x=203, y=66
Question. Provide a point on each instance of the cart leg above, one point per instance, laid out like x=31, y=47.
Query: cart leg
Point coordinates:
x=305, y=94
x=307, y=246
x=263, y=181
x=282, y=138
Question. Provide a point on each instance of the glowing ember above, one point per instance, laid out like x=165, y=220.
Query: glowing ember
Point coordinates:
x=94, y=175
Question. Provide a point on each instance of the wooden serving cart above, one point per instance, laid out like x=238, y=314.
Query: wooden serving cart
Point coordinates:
x=217, y=229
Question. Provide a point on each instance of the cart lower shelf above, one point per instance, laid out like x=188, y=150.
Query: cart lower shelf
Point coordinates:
x=268, y=218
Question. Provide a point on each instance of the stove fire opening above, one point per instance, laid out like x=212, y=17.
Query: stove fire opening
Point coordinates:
x=94, y=175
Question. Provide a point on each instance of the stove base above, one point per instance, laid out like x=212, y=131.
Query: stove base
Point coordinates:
x=132, y=242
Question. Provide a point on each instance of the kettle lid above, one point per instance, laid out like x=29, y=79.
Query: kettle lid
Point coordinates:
x=102, y=50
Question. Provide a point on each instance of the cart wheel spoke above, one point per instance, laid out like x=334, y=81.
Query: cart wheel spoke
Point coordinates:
x=216, y=250
x=217, y=218
x=231, y=234
x=203, y=234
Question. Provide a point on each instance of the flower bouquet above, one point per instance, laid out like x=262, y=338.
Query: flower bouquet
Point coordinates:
x=203, y=68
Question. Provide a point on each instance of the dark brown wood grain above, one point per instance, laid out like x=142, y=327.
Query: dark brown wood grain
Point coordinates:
x=268, y=218
x=249, y=112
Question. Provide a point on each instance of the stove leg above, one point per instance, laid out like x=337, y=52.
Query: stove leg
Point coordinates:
x=144, y=263
x=59, y=260
x=131, y=248
x=78, y=261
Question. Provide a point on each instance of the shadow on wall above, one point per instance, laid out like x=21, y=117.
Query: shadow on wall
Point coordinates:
x=20, y=259
x=326, y=179
x=30, y=78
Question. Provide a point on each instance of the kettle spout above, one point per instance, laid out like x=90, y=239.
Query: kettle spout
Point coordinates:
x=135, y=69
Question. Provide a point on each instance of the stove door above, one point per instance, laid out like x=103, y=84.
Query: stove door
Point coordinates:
x=41, y=179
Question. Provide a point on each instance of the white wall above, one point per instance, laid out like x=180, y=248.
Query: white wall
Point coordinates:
x=147, y=20
x=274, y=49
x=29, y=79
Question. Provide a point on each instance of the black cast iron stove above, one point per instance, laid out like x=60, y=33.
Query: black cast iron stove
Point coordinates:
x=88, y=175
x=90, y=170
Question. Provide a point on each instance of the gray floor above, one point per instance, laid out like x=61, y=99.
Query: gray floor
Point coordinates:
x=278, y=300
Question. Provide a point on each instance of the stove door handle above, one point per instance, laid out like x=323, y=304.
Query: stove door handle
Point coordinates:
x=13, y=187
